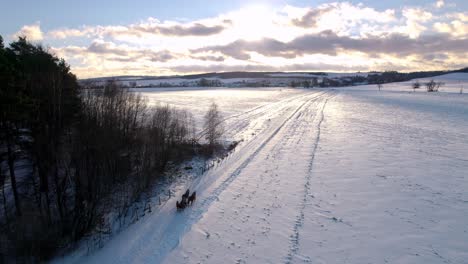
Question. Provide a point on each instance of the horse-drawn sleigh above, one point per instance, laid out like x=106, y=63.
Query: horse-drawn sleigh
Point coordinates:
x=187, y=200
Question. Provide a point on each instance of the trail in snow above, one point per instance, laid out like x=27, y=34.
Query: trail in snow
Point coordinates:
x=256, y=198
x=193, y=215
x=294, y=248
x=236, y=170
x=243, y=119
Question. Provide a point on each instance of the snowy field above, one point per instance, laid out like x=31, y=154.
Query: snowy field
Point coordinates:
x=349, y=175
x=231, y=101
x=451, y=83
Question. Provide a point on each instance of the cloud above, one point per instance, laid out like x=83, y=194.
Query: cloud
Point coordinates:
x=435, y=56
x=259, y=67
x=150, y=27
x=328, y=42
x=462, y=16
x=66, y=33
x=208, y=58
x=130, y=54
x=108, y=51
x=101, y=47
x=455, y=28
x=440, y=3
x=31, y=32
x=196, y=29
x=415, y=17
x=239, y=49
x=311, y=17
x=459, y=16
x=344, y=18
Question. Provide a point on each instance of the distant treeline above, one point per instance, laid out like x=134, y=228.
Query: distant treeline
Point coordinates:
x=394, y=76
x=68, y=156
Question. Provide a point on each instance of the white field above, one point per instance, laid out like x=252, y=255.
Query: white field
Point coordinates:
x=349, y=175
x=231, y=101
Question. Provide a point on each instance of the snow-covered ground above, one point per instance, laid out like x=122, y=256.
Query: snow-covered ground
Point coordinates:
x=349, y=175
x=231, y=101
x=451, y=83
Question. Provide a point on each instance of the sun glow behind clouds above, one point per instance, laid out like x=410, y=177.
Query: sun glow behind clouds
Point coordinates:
x=252, y=19
x=257, y=21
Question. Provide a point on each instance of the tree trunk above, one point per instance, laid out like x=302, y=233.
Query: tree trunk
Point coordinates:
x=4, y=203
x=11, y=166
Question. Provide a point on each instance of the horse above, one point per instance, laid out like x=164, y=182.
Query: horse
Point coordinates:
x=192, y=198
x=186, y=194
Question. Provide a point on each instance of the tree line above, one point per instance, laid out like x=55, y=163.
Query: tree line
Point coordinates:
x=68, y=155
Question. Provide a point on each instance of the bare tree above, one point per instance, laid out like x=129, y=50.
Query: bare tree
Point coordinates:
x=433, y=86
x=416, y=85
x=213, y=125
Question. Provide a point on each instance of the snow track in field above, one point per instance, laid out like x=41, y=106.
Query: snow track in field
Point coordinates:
x=247, y=158
x=259, y=180
x=192, y=215
x=294, y=248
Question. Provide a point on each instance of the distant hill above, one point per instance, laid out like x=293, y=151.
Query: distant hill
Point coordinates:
x=221, y=75
x=267, y=79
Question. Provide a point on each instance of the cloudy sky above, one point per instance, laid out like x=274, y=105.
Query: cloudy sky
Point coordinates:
x=151, y=37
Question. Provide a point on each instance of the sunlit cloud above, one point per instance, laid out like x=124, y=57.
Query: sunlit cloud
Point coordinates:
x=455, y=28
x=440, y=3
x=143, y=29
x=31, y=32
x=154, y=27
x=67, y=33
x=328, y=42
x=122, y=53
x=311, y=18
x=414, y=21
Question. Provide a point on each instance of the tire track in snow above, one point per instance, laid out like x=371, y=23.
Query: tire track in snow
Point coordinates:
x=275, y=110
x=257, y=111
x=239, y=169
x=176, y=231
x=294, y=247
